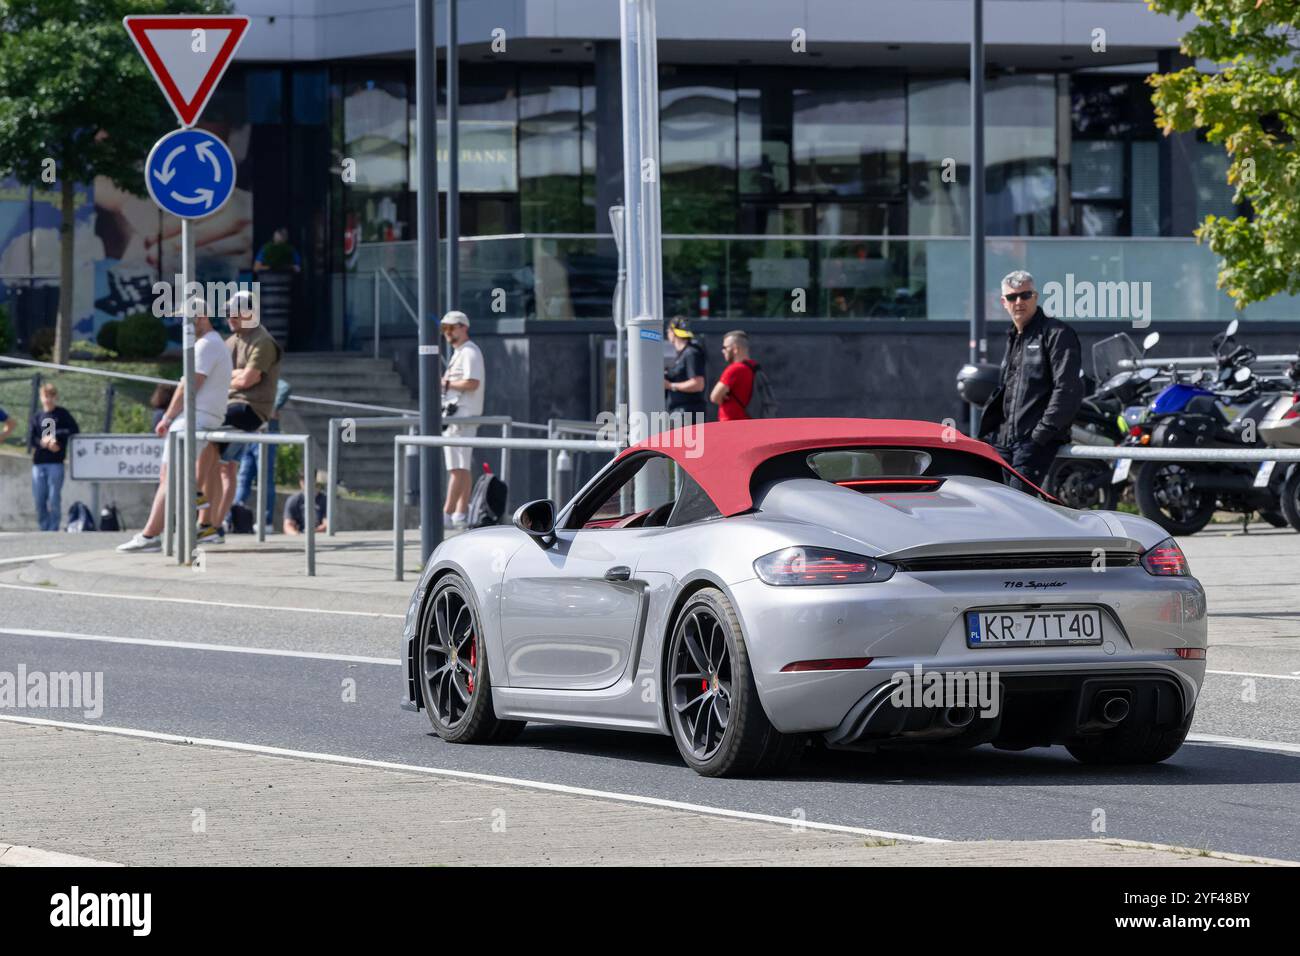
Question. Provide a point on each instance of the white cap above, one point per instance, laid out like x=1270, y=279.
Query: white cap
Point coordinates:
x=455, y=317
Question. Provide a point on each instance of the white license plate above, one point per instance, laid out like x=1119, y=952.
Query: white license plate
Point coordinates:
x=1040, y=627
x=1122, y=466
x=1264, y=474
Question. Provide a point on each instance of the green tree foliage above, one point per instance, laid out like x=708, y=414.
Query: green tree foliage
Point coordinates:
x=1251, y=107
x=73, y=89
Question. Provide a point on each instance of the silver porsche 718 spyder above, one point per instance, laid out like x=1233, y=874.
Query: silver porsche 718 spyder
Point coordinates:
x=746, y=587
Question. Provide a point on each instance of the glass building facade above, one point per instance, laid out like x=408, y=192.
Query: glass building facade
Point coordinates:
x=788, y=193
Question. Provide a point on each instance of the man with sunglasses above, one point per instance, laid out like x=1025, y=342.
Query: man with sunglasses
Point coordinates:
x=1039, y=392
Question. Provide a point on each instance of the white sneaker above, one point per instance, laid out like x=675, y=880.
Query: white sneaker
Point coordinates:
x=446, y=520
x=141, y=543
x=459, y=520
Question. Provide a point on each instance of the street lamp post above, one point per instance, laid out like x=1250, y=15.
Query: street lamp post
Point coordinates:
x=979, y=348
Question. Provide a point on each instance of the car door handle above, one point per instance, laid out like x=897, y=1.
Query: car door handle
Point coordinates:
x=620, y=573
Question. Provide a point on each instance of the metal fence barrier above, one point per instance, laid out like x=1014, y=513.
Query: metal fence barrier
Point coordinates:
x=336, y=426
x=430, y=441
x=559, y=464
x=1143, y=453
x=178, y=515
x=1200, y=361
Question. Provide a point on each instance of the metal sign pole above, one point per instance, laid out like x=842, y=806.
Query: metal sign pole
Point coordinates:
x=644, y=252
x=188, y=486
x=453, y=159
x=426, y=81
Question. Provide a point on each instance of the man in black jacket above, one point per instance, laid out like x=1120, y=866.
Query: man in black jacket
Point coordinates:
x=1028, y=417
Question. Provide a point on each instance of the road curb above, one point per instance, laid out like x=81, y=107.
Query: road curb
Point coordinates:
x=11, y=855
x=1194, y=852
x=164, y=582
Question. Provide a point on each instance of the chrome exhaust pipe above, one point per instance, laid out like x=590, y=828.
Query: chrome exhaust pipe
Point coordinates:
x=958, y=717
x=1114, y=709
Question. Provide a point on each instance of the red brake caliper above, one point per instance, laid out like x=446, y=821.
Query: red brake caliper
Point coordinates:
x=473, y=660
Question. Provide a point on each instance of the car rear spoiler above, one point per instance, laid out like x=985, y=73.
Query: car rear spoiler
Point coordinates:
x=1015, y=546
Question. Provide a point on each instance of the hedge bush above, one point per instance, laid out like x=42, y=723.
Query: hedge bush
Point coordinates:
x=142, y=336
x=107, y=335
x=6, y=334
x=41, y=344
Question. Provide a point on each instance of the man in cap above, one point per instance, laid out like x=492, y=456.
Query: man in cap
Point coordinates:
x=684, y=380
x=462, y=397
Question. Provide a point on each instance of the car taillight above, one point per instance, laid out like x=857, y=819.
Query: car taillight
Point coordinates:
x=1166, y=558
x=1190, y=653
x=802, y=565
x=1294, y=410
x=827, y=664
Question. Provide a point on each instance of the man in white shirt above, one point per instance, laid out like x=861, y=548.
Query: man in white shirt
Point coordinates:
x=462, y=395
x=212, y=370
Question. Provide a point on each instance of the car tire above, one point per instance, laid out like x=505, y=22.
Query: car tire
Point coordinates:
x=708, y=677
x=1136, y=745
x=1290, y=498
x=1147, y=486
x=1082, y=484
x=458, y=692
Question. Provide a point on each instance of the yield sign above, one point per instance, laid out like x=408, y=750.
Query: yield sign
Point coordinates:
x=187, y=56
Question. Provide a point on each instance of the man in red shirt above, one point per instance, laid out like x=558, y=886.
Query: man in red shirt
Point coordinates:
x=736, y=386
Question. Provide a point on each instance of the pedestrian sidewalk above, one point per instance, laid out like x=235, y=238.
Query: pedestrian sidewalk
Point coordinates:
x=159, y=803
x=354, y=572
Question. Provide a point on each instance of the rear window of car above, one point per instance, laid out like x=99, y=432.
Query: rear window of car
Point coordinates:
x=847, y=465
x=844, y=464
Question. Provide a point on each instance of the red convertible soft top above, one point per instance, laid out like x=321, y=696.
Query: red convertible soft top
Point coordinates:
x=722, y=456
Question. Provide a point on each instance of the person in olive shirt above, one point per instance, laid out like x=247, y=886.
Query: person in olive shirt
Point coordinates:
x=684, y=380
x=255, y=356
x=47, y=437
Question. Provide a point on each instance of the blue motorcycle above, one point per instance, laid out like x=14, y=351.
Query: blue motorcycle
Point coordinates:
x=1182, y=497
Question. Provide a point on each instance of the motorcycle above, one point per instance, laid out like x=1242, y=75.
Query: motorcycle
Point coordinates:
x=1280, y=428
x=1085, y=482
x=1089, y=482
x=1182, y=497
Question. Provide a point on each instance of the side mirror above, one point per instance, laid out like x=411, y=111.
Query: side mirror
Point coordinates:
x=1150, y=341
x=1232, y=328
x=537, y=520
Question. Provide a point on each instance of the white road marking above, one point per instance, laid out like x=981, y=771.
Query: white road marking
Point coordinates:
x=172, y=600
x=1295, y=676
x=1273, y=746
x=191, y=646
x=478, y=777
x=30, y=558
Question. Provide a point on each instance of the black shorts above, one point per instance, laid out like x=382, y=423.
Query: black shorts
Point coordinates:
x=241, y=417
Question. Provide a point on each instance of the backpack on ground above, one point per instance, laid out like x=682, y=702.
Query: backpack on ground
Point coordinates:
x=487, y=502
x=80, y=518
x=762, y=399
x=110, y=519
x=241, y=520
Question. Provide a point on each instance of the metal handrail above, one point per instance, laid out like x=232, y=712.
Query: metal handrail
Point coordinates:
x=415, y=316
x=177, y=481
x=1199, y=361
x=1145, y=453
x=151, y=380
x=334, y=446
x=430, y=441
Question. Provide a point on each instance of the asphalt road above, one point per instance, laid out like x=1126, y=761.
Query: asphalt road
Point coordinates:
x=1212, y=796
